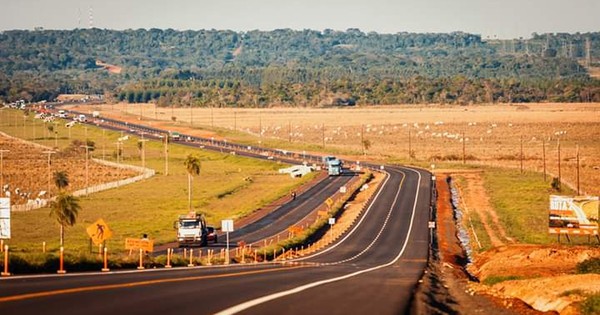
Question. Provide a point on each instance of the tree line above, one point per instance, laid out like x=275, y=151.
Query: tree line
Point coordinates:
x=307, y=68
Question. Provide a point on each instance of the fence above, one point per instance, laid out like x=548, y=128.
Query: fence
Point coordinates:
x=145, y=173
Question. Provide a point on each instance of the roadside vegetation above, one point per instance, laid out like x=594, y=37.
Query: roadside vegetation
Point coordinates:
x=228, y=187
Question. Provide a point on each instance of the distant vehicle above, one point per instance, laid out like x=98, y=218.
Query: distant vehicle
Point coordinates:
x=62, y=114
x=82, y=118
x=95, y=114
x=212, y=234
x=193, y=231
x=326, y=160
x=174, y=135
x=334, y=167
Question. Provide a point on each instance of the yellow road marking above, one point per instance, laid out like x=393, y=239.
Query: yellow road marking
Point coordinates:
x=133, y=284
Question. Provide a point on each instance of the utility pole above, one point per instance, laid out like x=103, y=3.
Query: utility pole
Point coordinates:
x=588, y=56
x=521, y=155
x=166, y=154
x=578, y=191
x=2, y=169
x=558, y=149
x=87, y=167
x=409, y=146
x=544, y=156
x=103, y=144
x=362, y=138
x=49, y=172
x=323, y=134
x=143, y=142
x=464, y=148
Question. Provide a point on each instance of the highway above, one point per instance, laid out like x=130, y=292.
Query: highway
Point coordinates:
x=373, y=268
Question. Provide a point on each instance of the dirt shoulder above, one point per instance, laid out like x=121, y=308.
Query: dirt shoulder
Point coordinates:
x=541, y=277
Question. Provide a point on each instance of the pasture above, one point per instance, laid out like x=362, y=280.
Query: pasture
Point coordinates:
x=519, y=136
x=228, y=186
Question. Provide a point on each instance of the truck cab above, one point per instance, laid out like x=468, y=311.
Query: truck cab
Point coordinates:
x=193, y=231
x=334, y=167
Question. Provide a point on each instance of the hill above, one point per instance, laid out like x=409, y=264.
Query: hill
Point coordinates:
x=280, y=66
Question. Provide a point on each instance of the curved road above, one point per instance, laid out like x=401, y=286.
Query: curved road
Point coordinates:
x=372, y=269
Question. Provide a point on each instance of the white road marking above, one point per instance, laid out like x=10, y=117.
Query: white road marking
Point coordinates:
x=246, y=305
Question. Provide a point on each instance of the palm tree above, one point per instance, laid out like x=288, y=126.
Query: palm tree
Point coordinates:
x=65, y=208
x=193, y=165
x=61, y=180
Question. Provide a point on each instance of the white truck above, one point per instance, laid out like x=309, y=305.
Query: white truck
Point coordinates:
x=193, y=231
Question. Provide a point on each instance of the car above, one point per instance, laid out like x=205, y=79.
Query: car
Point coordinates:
x=212, y=234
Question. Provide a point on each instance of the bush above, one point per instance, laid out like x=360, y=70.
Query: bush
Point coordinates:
x=591, y=265
x=555, y=184
x=591, y=306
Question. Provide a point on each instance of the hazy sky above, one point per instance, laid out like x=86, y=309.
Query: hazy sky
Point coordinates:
x=489, y=18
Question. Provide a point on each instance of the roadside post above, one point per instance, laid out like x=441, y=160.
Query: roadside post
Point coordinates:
x=227, y=226
x=5, y=273
x=61, y=267
x=169, y=253
x=105, y=269
x=191, y=264
x=331, y=223
x=141, y=266
x=431, y=226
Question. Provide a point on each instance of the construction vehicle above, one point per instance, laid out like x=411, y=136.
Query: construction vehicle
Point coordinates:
x=193, y=231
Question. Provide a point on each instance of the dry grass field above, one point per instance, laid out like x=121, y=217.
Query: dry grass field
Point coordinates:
x=30, y=171
x=488, y=134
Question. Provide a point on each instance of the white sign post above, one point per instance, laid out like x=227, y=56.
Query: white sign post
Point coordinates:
x=227, y=226
x=4, y=218
x=331, y=223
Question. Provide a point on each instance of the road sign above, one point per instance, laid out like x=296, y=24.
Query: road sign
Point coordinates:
x=139, y=243
x=295, y=229
x=329, y=202
x=4, y=218
x=343, y=189
x=431, y=224
x=99, y=232
x=227, y=225
x=331, y=221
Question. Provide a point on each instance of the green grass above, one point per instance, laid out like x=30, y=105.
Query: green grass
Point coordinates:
x=228, y=187
x=491, y=280
x=521, y=202
x=477, y=224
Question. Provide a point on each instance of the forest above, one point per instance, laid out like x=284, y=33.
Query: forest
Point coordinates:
x=297, y=68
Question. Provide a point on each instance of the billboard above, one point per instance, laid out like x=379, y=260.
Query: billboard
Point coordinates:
x=573, y=215
x=4, y=218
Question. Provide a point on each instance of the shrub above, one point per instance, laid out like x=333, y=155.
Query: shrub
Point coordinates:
x=591, y=306
x=555, y=184
x=591, y=265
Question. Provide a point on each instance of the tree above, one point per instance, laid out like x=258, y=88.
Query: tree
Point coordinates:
x=61, y=180
x=65, y=208
x=192, y=164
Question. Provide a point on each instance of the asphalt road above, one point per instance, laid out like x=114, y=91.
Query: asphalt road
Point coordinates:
x=281, y=218
x=372, y=269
